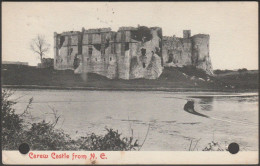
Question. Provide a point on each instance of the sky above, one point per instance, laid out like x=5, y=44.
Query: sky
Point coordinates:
x=232, y=26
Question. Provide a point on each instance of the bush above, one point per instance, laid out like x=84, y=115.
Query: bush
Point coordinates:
x=213, y=146
x=244, y=70
x=12, y=124
x=218, y=71
x=112, y=141
x=44, y=136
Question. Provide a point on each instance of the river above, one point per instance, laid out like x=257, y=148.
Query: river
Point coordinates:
x=234, y=116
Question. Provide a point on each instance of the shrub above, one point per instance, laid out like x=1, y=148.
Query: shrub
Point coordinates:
x=213, y=146
x=43, y=136
x=244, y=70
x=12, y=124
x=112, y=141
x=218, y=71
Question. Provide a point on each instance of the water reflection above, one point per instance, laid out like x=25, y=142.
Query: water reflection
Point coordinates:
x=247, y=99
x=205, y=102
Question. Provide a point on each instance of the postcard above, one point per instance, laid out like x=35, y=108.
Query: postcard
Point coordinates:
x=129, y=83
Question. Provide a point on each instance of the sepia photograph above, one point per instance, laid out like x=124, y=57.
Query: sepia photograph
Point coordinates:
x=124, y=82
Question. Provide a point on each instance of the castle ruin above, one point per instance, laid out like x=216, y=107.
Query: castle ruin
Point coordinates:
x=129, y=53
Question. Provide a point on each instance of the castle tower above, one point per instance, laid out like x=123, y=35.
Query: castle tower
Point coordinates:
x=186, y=33
x=56, y=52
x=200, y=52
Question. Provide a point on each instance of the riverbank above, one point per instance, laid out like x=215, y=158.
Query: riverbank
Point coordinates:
x=127, y=89
x=172, y=79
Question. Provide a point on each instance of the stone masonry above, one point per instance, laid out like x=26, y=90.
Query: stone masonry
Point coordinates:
x=187, y=51
x=129, y=53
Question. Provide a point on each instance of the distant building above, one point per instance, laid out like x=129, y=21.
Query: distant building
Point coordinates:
x=15, y=63
x=46, y=63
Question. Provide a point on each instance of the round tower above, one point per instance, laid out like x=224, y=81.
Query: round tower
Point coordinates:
x=200, y=52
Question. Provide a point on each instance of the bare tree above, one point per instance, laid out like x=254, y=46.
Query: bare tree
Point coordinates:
x=40, y=46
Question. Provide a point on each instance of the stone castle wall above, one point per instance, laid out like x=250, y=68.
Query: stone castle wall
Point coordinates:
x=66, y=47
x=129, y=53
x=186, y=51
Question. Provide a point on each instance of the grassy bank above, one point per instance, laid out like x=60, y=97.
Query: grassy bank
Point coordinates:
x=172, y=79
x=248, y=79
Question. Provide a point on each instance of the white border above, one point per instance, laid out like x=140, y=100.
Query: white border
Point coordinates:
x=137, y=157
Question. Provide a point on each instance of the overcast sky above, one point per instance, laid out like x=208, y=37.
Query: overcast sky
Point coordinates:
x=232, y=26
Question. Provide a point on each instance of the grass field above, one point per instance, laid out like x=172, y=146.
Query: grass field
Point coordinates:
x=171, y=78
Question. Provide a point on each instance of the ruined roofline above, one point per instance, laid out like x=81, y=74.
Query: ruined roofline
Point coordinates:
x=200, y=35
x=155, y=27
x=171, y=37
x=123, y=28
x=126, y=28
x=97, y=30
x=104, y=30
x=101, y=30
x=194, y=36
x=129, y=28
x=70, y=33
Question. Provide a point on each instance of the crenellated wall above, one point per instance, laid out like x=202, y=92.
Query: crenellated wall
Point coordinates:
x=189, y=50
x=129, y=53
